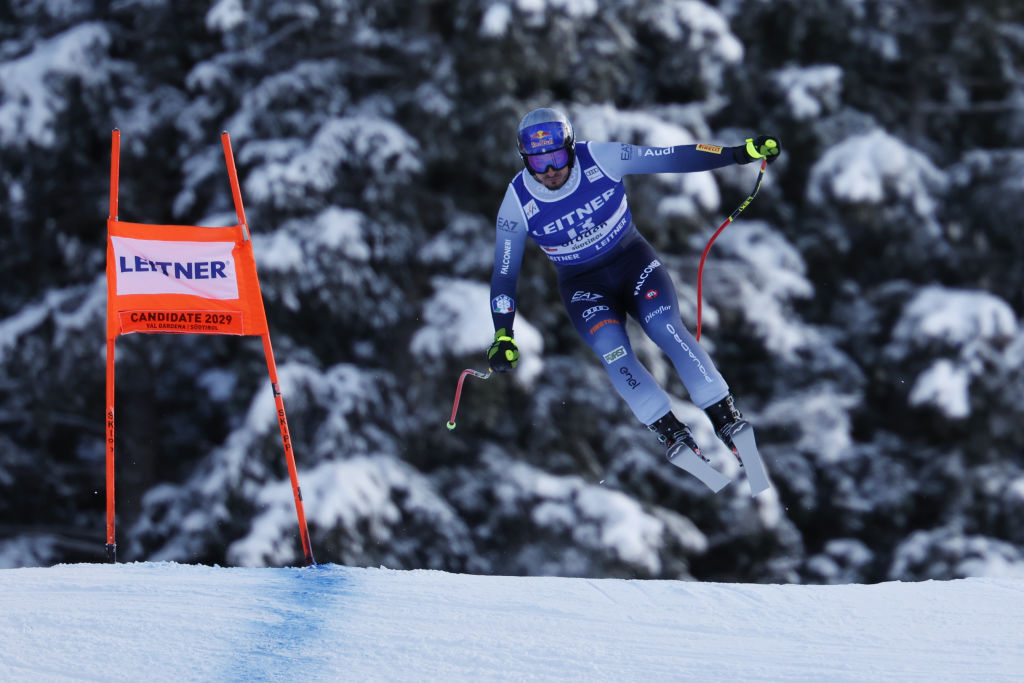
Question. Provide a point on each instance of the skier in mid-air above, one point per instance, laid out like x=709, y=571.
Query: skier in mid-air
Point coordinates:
x=571, y=200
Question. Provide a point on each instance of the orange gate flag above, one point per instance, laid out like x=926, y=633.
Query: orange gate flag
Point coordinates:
x=185, y=279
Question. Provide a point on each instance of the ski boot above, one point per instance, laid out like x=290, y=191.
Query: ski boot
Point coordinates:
x=726, y=420
x=684, y=453
x=738, y=435
x=675, y=436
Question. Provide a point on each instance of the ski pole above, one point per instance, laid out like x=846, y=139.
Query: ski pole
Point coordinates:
x=730, y=219
x=458, y=391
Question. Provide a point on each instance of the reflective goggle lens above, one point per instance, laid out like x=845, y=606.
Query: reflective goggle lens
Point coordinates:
x=539, y=163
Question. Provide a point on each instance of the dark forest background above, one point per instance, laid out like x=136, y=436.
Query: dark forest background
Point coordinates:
x=864, y=309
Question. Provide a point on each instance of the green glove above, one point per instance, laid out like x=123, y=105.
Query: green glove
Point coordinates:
x=503, y=354
x=763, y=146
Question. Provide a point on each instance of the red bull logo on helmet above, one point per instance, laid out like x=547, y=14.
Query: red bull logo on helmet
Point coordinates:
x=541, y=138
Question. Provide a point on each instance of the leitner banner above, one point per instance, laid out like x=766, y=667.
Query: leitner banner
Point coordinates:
x=181, y=279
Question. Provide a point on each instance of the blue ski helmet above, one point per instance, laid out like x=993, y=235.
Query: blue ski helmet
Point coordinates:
x=545, y=139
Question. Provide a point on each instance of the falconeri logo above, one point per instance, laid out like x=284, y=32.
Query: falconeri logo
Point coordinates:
x=643, y=278
x=506, y=257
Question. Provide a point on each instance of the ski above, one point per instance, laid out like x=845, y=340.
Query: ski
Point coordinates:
x=689, y=461
x=746, y=450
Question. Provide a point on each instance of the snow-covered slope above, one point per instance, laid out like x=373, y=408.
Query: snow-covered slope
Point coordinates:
x=165, y=621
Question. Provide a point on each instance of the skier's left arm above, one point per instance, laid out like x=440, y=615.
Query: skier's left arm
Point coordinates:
x=509, y=244
x=621, y=159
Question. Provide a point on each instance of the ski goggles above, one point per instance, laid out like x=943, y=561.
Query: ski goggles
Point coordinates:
x=538, y=163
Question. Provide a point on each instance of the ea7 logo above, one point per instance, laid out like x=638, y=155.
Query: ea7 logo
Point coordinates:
x=580, y=295
x=614, y=355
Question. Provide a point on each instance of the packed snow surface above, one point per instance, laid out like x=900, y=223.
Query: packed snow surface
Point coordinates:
x=167, y=621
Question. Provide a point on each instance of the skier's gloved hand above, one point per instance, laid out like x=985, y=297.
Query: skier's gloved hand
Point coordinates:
x=503, y=355
x=763, y=146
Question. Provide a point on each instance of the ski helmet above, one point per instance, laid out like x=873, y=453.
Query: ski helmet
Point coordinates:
x=545, y=139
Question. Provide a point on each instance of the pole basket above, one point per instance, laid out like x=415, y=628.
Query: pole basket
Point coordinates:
x=458, y=392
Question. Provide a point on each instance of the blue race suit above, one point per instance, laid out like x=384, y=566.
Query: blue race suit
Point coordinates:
x=605, y=268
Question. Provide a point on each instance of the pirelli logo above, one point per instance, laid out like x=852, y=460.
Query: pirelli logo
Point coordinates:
x=710, y=149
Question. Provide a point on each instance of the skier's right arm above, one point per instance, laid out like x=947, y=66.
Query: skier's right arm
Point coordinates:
x=509, y=244
x=619, y=159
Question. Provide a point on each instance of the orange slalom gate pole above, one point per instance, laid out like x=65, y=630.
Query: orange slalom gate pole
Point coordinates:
x=111, y=545
x=286, y=439
x=111, y=541
x=268, y=351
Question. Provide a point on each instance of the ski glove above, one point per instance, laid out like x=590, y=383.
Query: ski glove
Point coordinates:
x=503, y=354
x=763, y=146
